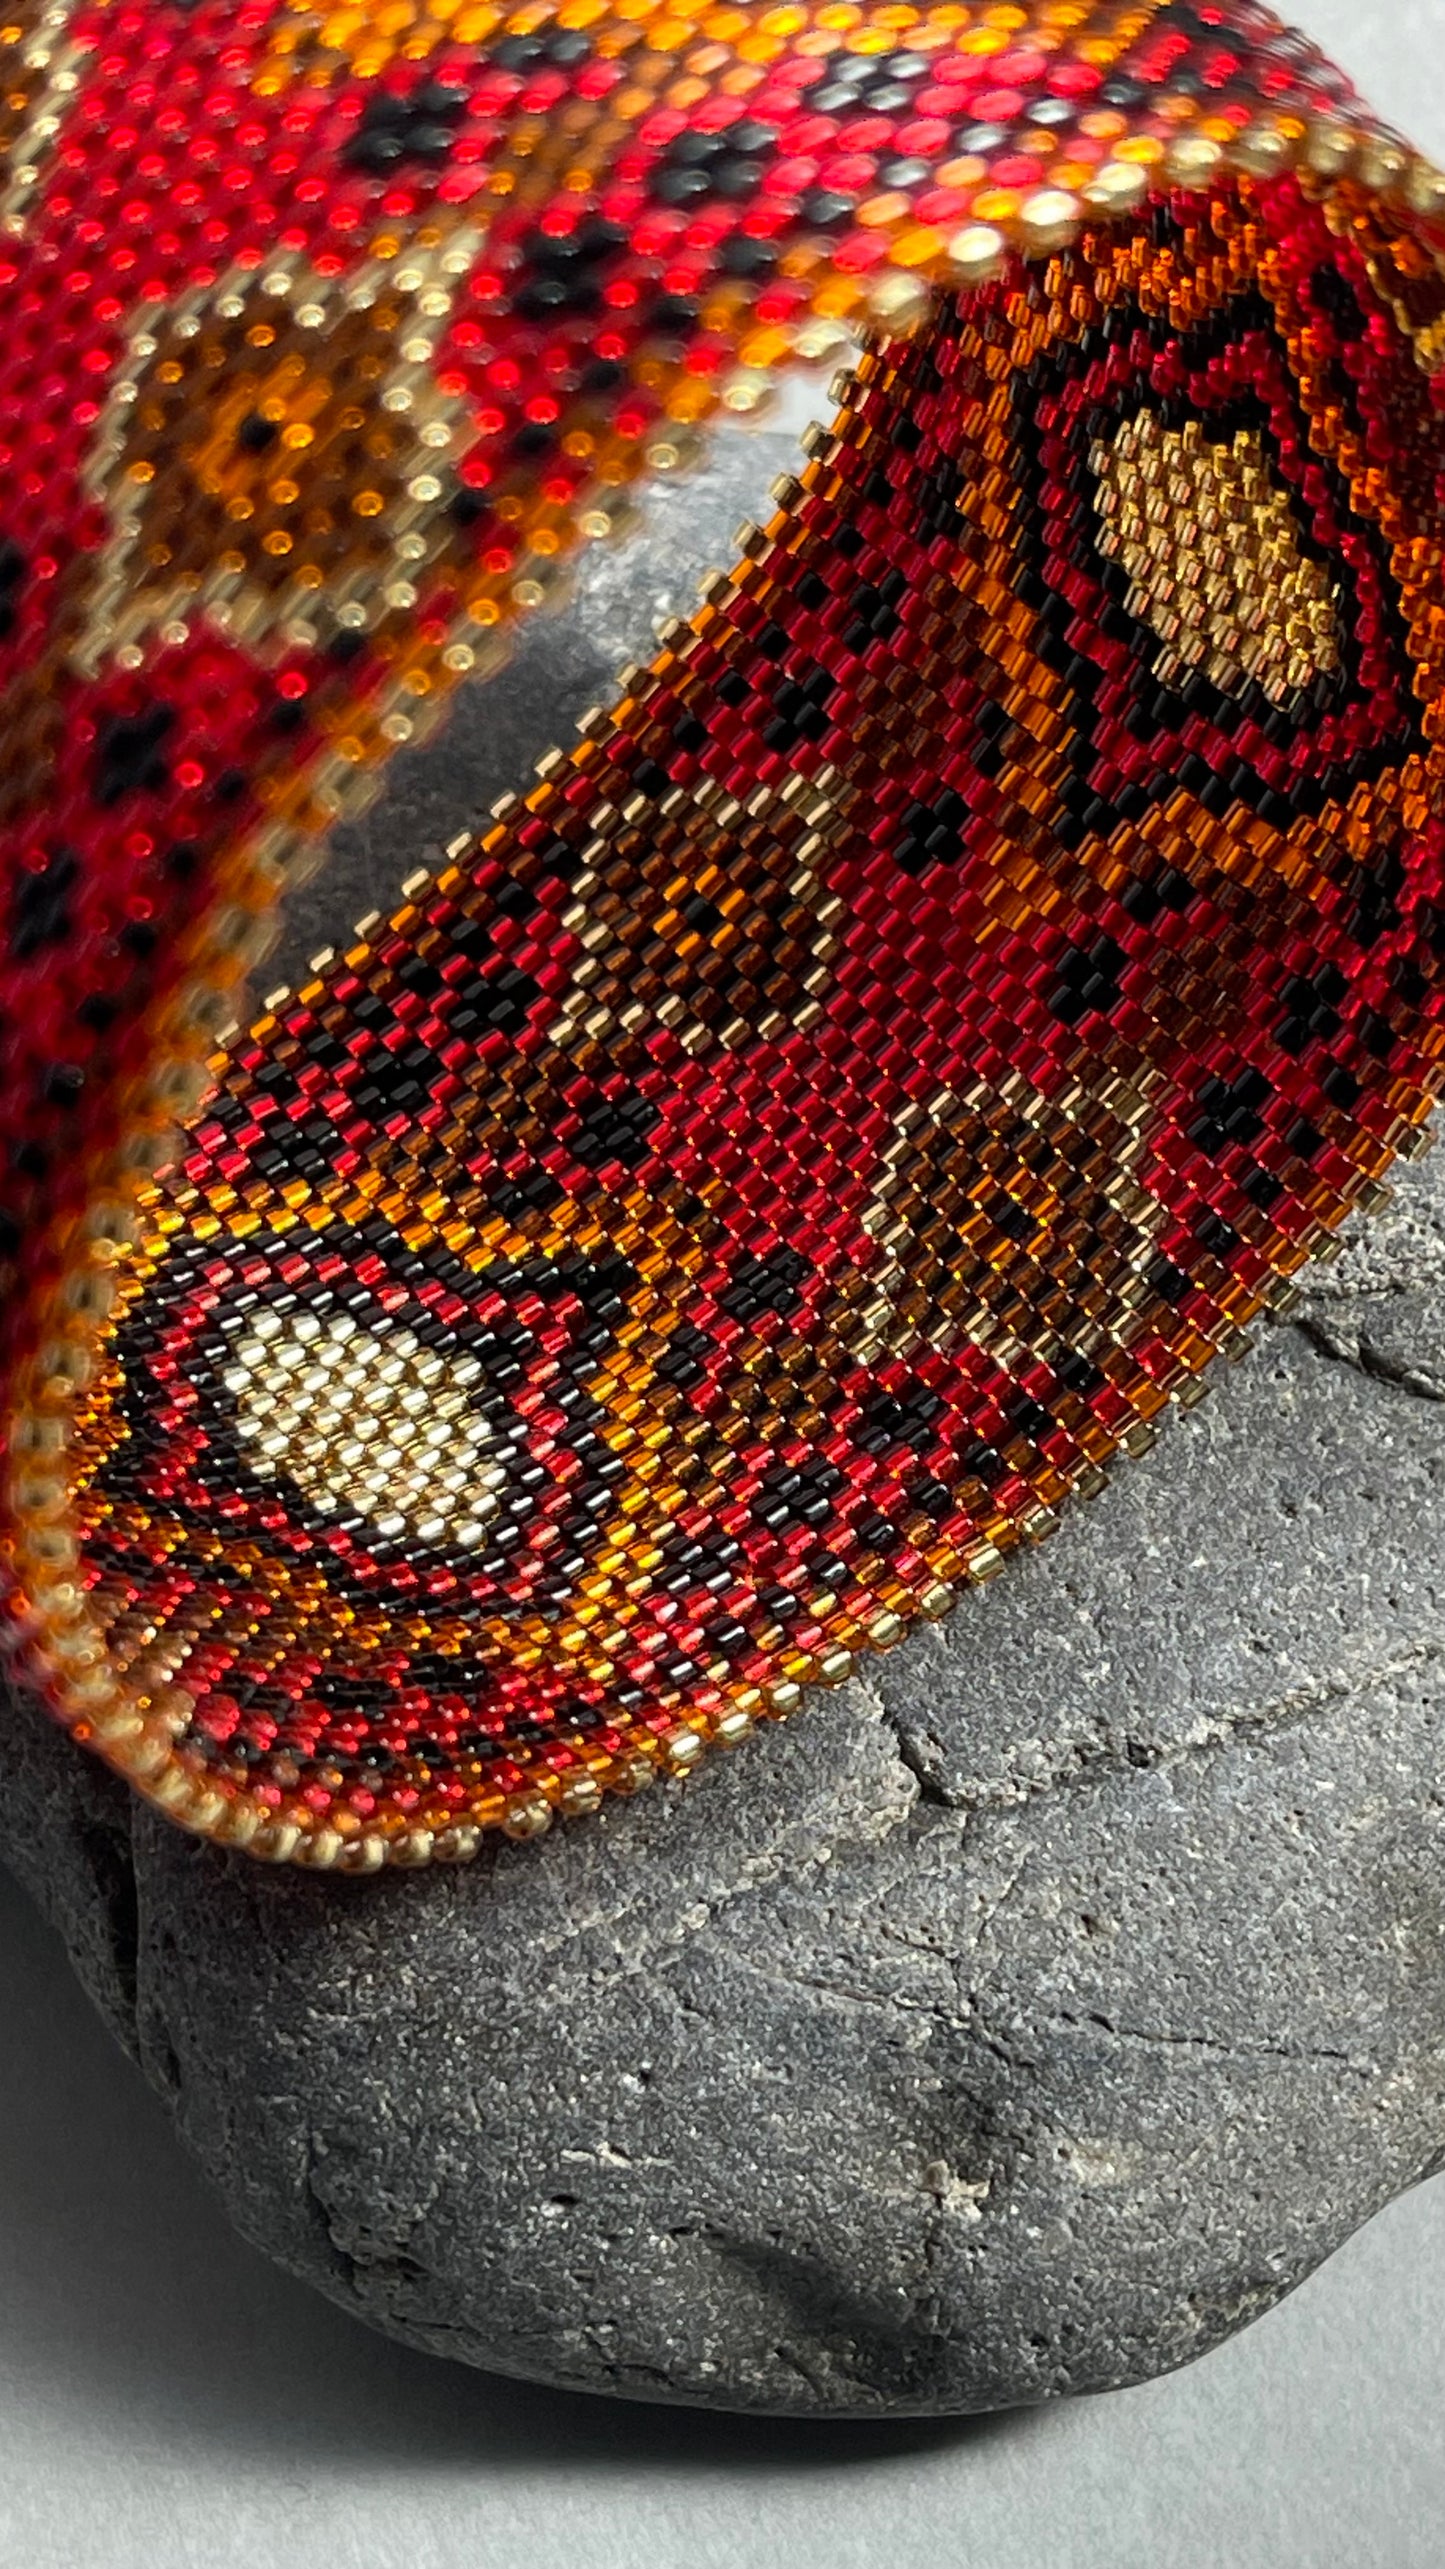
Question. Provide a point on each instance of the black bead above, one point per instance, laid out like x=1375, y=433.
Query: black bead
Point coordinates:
x=129, y=759
x=1090, y=980
x=40, y=913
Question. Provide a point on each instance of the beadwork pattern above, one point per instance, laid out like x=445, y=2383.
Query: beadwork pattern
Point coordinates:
x=946, y=997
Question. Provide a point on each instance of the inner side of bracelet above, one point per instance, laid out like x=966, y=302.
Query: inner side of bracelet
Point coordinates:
x=637, y=867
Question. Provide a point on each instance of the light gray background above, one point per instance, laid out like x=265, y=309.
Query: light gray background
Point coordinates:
x=166, y=2399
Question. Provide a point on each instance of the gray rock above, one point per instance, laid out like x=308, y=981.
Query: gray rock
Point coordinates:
x=1018, y=2022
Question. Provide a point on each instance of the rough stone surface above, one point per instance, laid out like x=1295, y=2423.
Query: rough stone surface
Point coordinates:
x=1021, y=2021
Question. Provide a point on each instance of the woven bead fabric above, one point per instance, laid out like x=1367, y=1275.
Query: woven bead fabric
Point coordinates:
x=868, y=1079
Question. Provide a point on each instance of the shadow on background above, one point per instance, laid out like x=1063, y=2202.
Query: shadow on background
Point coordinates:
x=125, y=2297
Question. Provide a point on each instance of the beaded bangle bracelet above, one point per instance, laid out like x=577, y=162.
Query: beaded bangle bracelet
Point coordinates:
x=869, y=1079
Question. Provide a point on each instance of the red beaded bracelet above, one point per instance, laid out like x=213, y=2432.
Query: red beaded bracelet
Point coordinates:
x=869, y=1079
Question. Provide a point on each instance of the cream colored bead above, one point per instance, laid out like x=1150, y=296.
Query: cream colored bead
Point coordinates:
x=1050, y=218
x=977, y=253
x=899, y=301
x=1116, y=185
x=1193, y=160
x=733, y=1727
x=681, y=1750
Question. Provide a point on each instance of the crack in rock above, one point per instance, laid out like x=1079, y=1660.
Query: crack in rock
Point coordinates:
x=1085, y=1764
x=1161, y=2038
x=1345, y=1336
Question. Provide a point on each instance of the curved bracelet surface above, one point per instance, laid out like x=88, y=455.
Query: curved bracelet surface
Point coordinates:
x=953, y=990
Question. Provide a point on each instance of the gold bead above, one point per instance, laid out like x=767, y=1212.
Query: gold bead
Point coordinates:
x=632, y=1774
x=578, y=1794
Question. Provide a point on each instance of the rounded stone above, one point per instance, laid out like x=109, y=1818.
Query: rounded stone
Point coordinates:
x=1019, y=2019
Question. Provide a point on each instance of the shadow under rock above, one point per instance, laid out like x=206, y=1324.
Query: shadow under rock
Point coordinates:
x=124, y=2293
